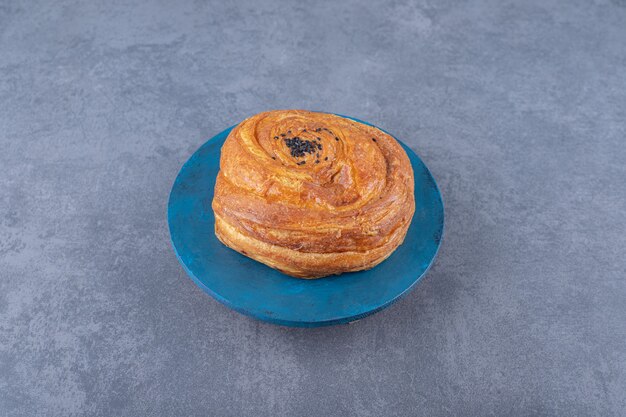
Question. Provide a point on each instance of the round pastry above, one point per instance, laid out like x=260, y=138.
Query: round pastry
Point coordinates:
x=312, y=194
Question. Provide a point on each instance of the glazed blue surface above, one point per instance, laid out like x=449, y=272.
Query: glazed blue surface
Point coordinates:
x=266, y=294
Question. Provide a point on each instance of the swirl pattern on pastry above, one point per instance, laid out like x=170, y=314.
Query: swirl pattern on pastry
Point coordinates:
x=312, y=194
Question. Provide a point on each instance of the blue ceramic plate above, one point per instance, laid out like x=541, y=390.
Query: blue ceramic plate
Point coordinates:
x=266, y=294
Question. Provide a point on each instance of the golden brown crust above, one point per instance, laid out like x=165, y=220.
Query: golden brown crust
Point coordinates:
x=312, y=194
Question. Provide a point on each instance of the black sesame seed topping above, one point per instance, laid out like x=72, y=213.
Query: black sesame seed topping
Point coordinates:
x=289, y=132
x=299, y=147
x=301, y=162
x=275, y=137
x=318, y=129
x=318, y=138
x=326, y=159
x=283, y=135
x=317, y=161
x=273, y=157
x=374, y=139
x=336, y=138
x=304, y=130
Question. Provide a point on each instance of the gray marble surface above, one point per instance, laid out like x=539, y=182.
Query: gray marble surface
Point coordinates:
x=517, y=107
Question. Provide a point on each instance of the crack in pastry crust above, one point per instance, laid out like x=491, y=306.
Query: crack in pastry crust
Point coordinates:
x=312, y=194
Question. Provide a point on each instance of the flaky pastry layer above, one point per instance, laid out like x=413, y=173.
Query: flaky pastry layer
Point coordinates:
x=312, y=194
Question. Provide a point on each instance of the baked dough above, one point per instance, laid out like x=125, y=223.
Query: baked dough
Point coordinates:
x=312, y=194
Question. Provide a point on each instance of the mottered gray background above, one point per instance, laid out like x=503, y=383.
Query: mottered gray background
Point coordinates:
x=518, y=108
